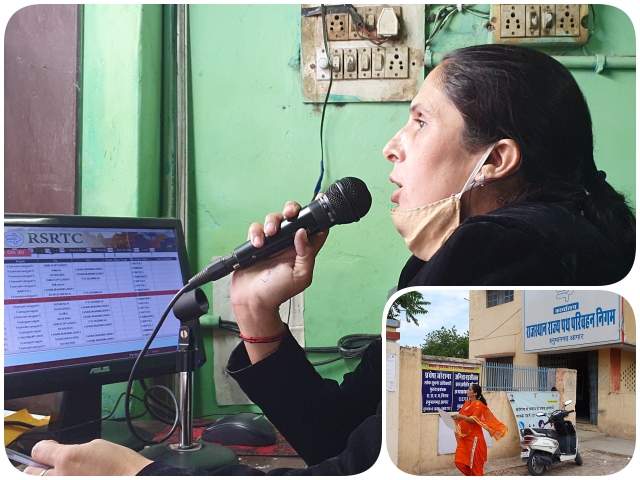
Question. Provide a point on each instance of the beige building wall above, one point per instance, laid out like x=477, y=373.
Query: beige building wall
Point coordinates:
x=497, y=331
x=392, y=399
x=617, y=409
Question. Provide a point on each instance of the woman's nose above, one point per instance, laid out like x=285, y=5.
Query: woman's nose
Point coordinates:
x=392, y=150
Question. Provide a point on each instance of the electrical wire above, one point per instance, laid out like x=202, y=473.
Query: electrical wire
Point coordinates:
x=446, y=12
x=370, y=37
x=142, y=353
x=316, y=190
x=349, y=346
x=16, y=423
x=477, y=13
x=510, y=317
x=45, y=435
x=441, y=19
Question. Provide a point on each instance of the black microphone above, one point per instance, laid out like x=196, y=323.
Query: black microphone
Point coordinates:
x=345, y=201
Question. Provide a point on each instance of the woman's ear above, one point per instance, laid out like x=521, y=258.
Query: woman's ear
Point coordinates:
x=503, y=160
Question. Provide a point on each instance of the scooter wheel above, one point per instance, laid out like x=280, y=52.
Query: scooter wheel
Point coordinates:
x=578, y=458
x=535, y=467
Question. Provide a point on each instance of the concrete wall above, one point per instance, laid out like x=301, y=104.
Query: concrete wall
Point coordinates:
x=497, y=329
x=566, y=383
x=120, y=147
x=616, y=409
x=392, y=407
x=417, y=436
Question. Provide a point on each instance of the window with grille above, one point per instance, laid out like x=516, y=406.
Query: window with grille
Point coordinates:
x=629, y=378
x=498, y=297
x=553, y=361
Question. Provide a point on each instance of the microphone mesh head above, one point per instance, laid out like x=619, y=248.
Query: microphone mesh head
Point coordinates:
x=349, y=198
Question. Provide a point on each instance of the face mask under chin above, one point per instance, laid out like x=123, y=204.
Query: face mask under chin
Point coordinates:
x=425, y=229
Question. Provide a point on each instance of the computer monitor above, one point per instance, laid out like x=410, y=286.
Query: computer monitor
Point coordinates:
x=81, y=297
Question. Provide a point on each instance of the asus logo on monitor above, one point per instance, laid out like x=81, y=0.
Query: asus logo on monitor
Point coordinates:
x=99, y=370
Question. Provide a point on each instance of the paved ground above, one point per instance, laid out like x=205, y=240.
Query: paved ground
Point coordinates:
x=601, y=455
x=594, y=463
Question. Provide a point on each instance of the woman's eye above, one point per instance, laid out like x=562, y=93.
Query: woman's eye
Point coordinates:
x=421, y=123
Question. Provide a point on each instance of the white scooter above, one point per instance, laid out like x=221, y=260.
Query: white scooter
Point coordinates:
x=545, y=447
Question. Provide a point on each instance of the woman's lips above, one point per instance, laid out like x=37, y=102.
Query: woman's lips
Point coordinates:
x=395, y=195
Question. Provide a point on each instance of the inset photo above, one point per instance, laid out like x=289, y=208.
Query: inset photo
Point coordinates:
x=510, y=382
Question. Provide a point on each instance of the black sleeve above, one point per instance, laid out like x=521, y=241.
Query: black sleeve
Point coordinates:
x=486, y=253
x=363, y=449
x=315, y=415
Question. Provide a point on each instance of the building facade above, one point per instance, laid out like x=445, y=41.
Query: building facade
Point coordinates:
x=592, y=332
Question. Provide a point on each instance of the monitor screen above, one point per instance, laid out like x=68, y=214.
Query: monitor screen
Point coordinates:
x=82, y=296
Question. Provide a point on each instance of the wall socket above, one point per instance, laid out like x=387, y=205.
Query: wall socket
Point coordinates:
x=568, y=20
x=540, y=23
x=396, y=62
x=381, y=62
x=513, y=21
x=337, y=26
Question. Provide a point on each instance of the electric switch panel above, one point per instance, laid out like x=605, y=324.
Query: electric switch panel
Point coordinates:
x=350, y=63
x=375, y=52
x=337, y=63
x=540, y=23
x=364, y=62
x=323, y=70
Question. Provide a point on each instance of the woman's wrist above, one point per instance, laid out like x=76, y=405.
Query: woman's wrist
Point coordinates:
x=254, y=322
x=261, y=332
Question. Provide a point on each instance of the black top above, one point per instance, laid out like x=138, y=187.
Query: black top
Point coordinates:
x=521, y=244
x=335, y=428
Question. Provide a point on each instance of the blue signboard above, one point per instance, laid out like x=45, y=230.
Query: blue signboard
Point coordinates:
x=445, y=386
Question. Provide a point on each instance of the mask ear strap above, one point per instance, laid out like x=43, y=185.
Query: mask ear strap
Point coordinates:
x=469, y=183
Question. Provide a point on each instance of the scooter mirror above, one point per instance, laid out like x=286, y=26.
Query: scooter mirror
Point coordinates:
x=539, y=414
x=568, y=402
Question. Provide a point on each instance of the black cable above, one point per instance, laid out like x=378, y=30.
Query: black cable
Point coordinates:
x=16, y=423
x=227, y=325
x=142, y=353
x=29, y=433
x=326, y=99
x=157, y=408
x=349, y=346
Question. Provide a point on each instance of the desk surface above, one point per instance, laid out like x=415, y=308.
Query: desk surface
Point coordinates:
x=269, y=463
x=260, y=462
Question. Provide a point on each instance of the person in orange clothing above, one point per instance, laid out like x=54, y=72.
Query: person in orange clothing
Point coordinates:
x=474, y=415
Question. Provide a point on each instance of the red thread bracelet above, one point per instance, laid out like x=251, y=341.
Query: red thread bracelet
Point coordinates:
x=271, y=339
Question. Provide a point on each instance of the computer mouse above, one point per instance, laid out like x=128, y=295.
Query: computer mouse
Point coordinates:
x=250, y=429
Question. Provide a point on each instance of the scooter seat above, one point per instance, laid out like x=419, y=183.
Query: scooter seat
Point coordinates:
x=546, y=432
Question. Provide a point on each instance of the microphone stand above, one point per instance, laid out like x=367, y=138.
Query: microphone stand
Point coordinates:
x=191, y=356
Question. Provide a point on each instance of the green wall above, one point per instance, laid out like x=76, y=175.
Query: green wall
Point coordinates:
x=255, y=144
x=120, y=153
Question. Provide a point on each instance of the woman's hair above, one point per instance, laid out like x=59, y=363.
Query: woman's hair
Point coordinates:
x=514, y=92
x=478, y=391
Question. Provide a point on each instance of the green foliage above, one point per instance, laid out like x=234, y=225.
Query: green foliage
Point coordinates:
x=411, y=303
x=446, y=343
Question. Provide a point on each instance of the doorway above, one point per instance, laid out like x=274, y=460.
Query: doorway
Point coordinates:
x=586, y=404
x=585, y=363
